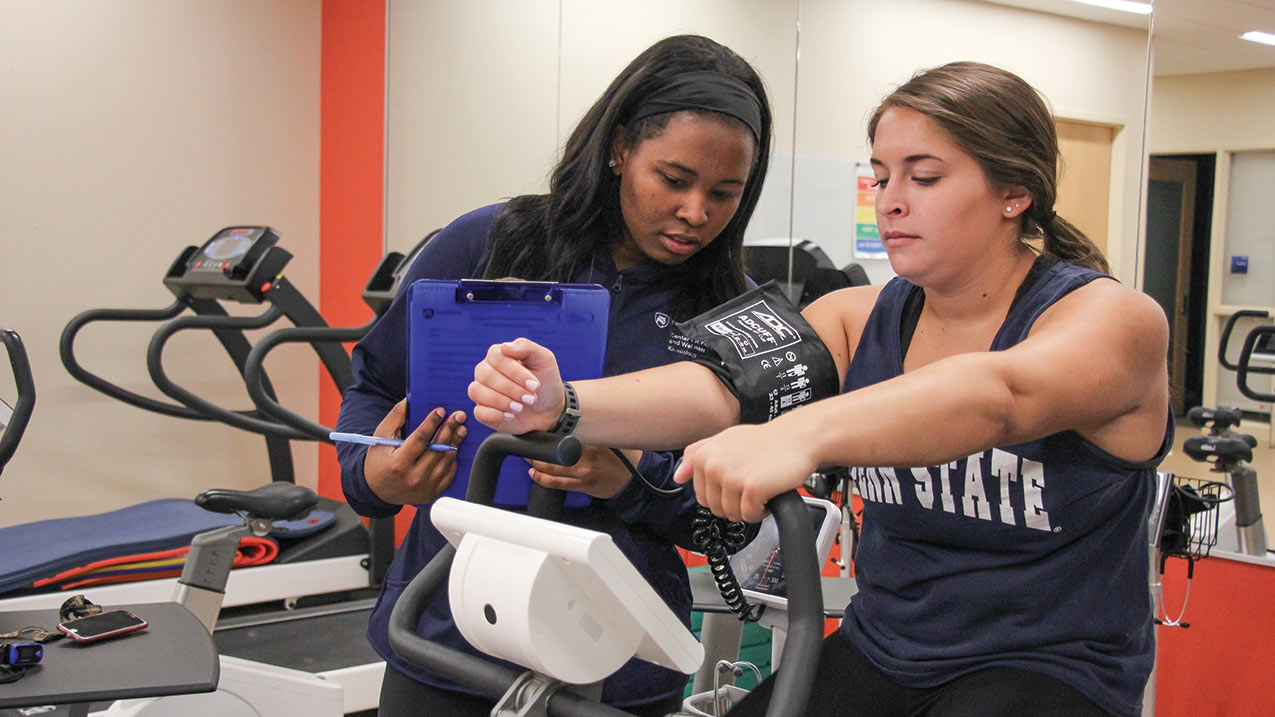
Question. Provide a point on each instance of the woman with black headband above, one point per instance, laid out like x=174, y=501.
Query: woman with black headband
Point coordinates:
x=651, y=198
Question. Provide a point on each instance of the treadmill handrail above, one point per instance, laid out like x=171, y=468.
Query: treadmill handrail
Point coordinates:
x=254, y=372
x=805, y=606
x=66, y=349
x=25, y=404
x=244, y=420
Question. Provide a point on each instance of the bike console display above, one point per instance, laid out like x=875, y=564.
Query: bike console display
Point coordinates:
x=236, y=264
x=760, y=565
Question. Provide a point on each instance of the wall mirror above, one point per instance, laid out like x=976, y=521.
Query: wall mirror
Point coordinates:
x=853, y=52
x=518, y=76
x=1211, y=162
x=482, y=94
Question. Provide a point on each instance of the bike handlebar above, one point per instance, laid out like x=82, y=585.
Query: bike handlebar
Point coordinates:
x=805, y=601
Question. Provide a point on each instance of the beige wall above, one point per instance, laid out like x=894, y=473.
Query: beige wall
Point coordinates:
x=484, y=128
x=1218, y=113
x=131, y=129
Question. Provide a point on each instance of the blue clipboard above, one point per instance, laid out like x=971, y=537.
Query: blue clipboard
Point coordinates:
x=450, y=326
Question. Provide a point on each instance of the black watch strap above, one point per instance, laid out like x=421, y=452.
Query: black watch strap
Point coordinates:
x=570, y=412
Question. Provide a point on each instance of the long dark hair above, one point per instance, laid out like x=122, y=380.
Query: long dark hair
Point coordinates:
x=550, y=237
x=1003, y=122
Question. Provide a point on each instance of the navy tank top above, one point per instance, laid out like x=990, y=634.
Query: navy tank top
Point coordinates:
x=1030, y=556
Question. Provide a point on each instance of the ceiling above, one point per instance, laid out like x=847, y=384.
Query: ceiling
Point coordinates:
x=1197, y=36
x=1189, y=36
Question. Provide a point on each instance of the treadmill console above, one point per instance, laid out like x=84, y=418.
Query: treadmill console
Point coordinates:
x=236, y=264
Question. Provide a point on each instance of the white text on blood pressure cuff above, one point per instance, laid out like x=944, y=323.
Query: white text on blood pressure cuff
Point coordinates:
x=755, y=330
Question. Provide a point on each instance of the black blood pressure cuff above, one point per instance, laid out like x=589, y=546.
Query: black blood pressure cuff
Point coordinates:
x=762, y=349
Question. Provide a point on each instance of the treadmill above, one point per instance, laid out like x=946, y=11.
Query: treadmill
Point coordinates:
x=302, y=619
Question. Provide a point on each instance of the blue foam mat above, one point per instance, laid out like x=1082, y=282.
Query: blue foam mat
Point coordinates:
x=45, y=548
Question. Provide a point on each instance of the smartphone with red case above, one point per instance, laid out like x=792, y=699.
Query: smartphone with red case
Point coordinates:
x=104, y=625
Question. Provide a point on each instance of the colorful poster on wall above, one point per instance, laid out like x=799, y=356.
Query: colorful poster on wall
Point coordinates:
x=867, y=240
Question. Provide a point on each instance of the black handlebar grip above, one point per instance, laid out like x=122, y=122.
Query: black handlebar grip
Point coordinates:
x=1226, y=334
x=547, y=447
x=22, y=408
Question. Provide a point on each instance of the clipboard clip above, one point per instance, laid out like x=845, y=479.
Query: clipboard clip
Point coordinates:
x=508, y=291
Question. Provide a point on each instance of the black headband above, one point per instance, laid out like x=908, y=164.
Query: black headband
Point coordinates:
x=704, y=90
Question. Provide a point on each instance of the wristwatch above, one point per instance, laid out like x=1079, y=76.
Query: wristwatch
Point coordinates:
x=570, y=412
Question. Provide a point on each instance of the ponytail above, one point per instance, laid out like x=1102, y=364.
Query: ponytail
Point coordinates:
x=1064, y=240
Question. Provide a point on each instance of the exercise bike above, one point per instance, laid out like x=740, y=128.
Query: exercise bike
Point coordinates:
x=1249, y=534
x=575, y=609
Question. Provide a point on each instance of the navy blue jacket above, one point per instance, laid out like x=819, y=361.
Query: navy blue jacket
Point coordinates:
x=644, y=526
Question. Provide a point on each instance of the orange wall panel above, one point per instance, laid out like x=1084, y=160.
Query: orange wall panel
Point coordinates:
x=352, y=179
x=1221, y=664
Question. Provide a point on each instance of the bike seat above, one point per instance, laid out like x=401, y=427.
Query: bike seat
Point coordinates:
x=273, y=501
x=1222, y=449
x=1218, y=418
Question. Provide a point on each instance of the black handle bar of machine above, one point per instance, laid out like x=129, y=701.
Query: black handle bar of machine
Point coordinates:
x=255, y=377
x=1244, y=366
x=1225, y=342
x=25, y=403
x=805, y=602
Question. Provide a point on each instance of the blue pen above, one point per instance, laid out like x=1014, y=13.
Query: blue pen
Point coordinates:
x=379, y=441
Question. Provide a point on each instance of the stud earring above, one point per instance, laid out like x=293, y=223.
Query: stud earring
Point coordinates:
x=1008, y=209
x=611, y=164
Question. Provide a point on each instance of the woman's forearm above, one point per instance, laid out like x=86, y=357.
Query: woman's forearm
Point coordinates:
x=661, y=408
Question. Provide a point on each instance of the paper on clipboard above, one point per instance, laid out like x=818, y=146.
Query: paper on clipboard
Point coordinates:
x=451, y=324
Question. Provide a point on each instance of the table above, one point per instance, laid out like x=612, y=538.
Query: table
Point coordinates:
x=174, y=655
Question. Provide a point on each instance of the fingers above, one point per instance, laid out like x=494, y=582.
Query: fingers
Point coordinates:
x=553, y=468
x=598, y=473
x=717, y=485
x=505, y=378
x=752, y=510
x=453, y=430
x=554, y=480
x=434, y=429
x=412, y=473
x=517, y=387
x=392, y=424
x=531, y=355
x=496, y=404
x=426, y=429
